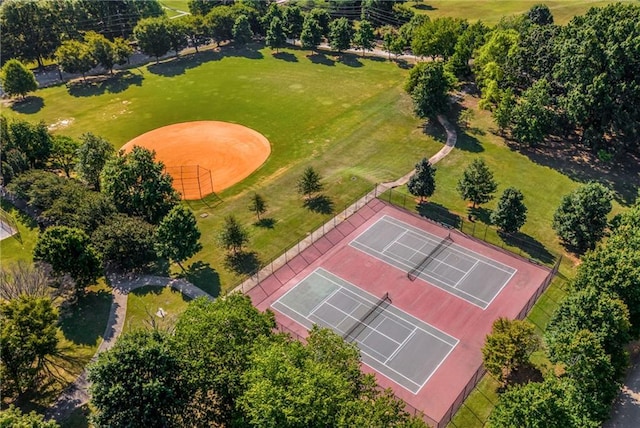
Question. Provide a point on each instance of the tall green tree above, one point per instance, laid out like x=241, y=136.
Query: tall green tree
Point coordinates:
x=540, y=14
x=196, y=30
x=258, y=205
x=429, y=85
x=581, y=219
x=511, y=213
x=437, y=37
x=477, y=184
x=101, y=49
x=233, y=236
x=276, y=37
x=293, y=20
x=423, y=182
x=28, y=335
x=126, y=242
x=69, y=251
x=597, y=70
x=93, y=154
x=17, y=79
x=177, y=236
x=220, y=21
x=311, y=34
x=138, y=185
x=309, y=183
x=64, y=153
x=215, y=340
x=178, y=31
x=74, y=56
x=531, y=118
x=491, y=57
x=13, y=417
x=340, y=34
x=137, y=382
x=470, y=40
x=364, y=37
x=242, y=33
x=153, y=36
x=508, y=347
x=32, y=139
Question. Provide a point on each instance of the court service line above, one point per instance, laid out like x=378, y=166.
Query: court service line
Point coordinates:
x=503, y=285
x=315, y=308
x=466, y=274
x=426, y=254
x=394, y=241
x=413, y=332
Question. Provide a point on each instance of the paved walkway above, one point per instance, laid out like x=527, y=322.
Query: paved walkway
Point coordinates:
x=325, y=228
x=77, y=394
x=626, y=410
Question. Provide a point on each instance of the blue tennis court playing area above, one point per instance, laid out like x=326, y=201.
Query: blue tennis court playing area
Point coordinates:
x=436, y=260
x=391, y=341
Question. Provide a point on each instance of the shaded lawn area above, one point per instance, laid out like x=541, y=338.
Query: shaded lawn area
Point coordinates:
x=19, y=246
x=144, y=304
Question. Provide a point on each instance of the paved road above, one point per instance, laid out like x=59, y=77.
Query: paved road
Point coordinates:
x=626, y=410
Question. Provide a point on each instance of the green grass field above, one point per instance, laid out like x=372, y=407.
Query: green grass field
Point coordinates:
x=144, y=303
x=19, y=246
x=491, y=11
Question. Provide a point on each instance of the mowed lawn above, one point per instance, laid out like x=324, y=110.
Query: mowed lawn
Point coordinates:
x=144, y=304
x=349, y=119
x=491, y=11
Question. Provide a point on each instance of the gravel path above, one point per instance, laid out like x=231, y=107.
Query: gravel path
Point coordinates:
x=77, y=394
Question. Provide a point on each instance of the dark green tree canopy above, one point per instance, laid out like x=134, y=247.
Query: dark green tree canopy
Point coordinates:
x=28, y=335
x=13, y=417
x=293, y=19
x=531, y=118
x=17, y=79
x=423, y=182
x=311, y=34
x=429, y=85
x=309, y=183
x=477, y=184
x=540, y=15
x=64, y=153
x=258, y=205
x=511, y=213
x=242, y=33
x=137, y=382
x=340, y=34
x=437, y=37
x=153, y=36
x=276, y=37
x=233, y=236
x=177, y=236
x=93, y=154
x=138, y=185
x=581, y=219
x=69, y=251
x=74, y=56
x=364, y=37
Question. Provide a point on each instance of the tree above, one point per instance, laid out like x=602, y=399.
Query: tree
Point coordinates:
x=309, y=183
x=491, y=57
x=545, y=404
x=470, y=40
x=322, y=17
x=504, y=111
x=581, y=218
x=153, y=36
x=138, y=185
x=275, y=35
x=13, y=417
x=93, y=154
x=196, y=29
x=177, y=236
x=423, y=182
x=24, y=278
x=364, y=37
x=429, y=85
x=127, y=242
x=540, y=14
x=64, y=153
x=121, y=51
x=258, y=205
x=101, y=49
x=233, y=236
x=177, y=31
x=27, y=338
x=293, y=20
x=311, y=34
x=137, y=382
x=17, y=79
x=340, y=33
x=242, y=33
x=33, y=140
x=511, y=213
x=508, y=347
x=215, y=340
x=220, y=21
x=437, y=37
x=605, y=316
x=74, y=57
x=531, y=118
x=69, y=251
x=477, y=184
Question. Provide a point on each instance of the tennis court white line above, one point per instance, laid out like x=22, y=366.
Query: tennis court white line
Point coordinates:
x=466, y=274
x=426, y=254
x=418, y=231
x=394, y=241
x=413, y=332
x=503, y=285
x=435, y=285
x=315, y=308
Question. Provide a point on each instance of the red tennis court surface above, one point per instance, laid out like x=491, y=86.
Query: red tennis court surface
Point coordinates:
x=365, y=252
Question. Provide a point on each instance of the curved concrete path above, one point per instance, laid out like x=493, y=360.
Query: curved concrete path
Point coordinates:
x=77, y=394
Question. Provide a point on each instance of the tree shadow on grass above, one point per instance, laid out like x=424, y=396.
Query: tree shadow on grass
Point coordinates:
x=350, y=60
x=29, y=105
x=178, y=66
x=320, y=58
x=285, y=56
x=267, y=223
x=529, y=245
x=439, y=213
x=482, y=214
x=320, y=204
x=243, y=262
x=522, y=375
x=203, y=276
x=249, y=51
x=85, y=322
x=104, y=84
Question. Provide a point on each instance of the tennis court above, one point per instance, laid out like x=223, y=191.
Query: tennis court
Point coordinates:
x=389, y=339
x=436, y=260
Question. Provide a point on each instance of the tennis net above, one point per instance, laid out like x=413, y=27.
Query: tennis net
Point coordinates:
x=416, y=271
x=360, y=324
